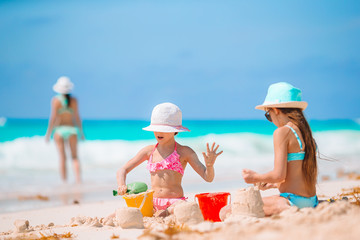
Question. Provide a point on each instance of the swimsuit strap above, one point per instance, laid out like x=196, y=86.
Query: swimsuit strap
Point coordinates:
x=64, y=103
x=154, y=149
x=62, y=100
x=297, y=136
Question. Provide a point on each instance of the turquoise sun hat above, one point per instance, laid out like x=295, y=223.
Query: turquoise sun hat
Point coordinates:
x=283, y=95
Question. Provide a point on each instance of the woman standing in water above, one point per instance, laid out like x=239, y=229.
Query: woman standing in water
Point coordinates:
x=66, y=124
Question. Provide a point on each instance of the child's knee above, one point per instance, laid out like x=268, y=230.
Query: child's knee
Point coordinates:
x=172, y=206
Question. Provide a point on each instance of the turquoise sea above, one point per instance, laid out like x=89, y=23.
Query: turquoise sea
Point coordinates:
x=131, y=130
x=29, y=166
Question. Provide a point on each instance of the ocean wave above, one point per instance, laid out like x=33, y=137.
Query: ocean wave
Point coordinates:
x=240, y=150
x=29, y=165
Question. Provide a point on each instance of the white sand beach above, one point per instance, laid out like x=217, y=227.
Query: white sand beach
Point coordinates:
x=338, y=220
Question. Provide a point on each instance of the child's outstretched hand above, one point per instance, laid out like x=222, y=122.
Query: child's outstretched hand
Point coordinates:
x=211, y=155
x=249, y=176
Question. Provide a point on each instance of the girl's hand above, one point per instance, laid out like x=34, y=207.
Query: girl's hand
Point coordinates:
x=122, y=189
x=264, y=186
x=249, y=176
x=211, y=155
x=47, y=138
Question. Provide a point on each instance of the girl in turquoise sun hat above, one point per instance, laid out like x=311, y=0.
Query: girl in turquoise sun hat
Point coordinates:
x=295, y=166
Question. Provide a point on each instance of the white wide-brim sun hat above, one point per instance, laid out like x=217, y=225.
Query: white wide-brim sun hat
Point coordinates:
x=283, y=95
x=166, y=117
x=63, y=85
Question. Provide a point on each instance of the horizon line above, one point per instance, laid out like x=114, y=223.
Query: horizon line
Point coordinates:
x=185, y=119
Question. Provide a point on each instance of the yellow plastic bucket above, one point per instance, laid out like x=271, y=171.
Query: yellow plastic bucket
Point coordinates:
x=143, y=201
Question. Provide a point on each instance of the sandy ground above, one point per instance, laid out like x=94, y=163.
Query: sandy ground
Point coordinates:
x=339, y=220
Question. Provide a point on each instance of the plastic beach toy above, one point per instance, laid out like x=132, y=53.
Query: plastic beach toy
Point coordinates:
x=211, y=203
x=143, y=201
x=134, y=188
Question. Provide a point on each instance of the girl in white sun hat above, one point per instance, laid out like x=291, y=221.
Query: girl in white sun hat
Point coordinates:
x=168, y=159
x=66, y=124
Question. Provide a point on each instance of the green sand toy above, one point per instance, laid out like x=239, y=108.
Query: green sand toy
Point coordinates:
x=134, y=188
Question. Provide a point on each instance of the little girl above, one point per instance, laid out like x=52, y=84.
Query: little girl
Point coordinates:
x=167, y=159
x=295, y=167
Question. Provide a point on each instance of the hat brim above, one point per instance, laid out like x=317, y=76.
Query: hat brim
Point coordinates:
x=62, y=89
x=295, y=104
x=166, y=128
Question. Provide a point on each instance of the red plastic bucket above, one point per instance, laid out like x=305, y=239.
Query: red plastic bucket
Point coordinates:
x=211, y=203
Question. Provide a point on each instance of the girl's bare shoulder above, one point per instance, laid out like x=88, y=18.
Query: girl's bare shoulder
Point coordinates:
x=148, y=149
x=282, y=132
x=73, y=101
x=55, y=102
x=184, y=150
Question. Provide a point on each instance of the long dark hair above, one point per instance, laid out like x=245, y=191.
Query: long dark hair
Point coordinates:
x=309, y=165
x=68, y=98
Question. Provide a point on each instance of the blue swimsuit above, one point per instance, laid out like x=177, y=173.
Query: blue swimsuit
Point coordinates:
x=299, y=201
x=65, y=131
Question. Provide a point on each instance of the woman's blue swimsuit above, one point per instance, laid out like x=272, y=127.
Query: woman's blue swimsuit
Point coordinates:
x=65, y=131
x=297, y=200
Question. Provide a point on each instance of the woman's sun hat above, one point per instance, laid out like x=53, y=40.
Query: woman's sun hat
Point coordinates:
x=166, y=117
x=63, y=85
x=283, y=95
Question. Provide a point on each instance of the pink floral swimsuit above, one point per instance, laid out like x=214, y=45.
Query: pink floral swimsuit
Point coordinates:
x=172, y=162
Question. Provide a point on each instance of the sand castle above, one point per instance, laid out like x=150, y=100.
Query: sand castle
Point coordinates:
x=247, y=202
x=129, y=217
x=21, y=225
x=188, y=213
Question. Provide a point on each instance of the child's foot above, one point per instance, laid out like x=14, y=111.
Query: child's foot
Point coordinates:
x=162, y=213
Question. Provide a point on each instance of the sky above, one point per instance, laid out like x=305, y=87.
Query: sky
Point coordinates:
x=214, y=59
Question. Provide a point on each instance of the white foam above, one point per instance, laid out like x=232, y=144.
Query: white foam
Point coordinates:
x=240, y=150
x=32, y=161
